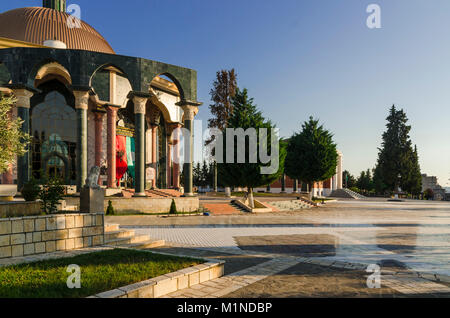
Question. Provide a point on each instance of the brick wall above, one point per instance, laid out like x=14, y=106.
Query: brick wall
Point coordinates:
x=30, y=235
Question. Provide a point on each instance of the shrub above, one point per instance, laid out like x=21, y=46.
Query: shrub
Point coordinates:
x=52, y=192
x=30, y=191
x=428, y=194
x=110, y=208
x=173, y=208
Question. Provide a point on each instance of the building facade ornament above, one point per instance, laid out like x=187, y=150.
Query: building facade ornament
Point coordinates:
x=139, y=104
x=81, y=99
x=23, y=97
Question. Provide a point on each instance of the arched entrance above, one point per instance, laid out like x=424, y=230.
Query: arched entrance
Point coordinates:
x=54, y=129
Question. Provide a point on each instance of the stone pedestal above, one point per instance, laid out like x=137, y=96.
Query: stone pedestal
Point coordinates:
x=92, y=200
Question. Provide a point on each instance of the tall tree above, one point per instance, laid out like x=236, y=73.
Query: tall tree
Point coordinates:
x=13, y=141
x=413, y=183
x=222, y=93
x=396, y=157
x=349, y=179
x=249, y=175
x=311, y=154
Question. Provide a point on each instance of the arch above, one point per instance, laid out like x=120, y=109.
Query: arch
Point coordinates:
x=51, y=70
x=109, y=78
x=66, y=161
x=50, y=86
x=173, y=79
x=48, y=61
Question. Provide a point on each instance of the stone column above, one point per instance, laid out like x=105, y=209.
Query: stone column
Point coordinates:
x=23, y=111
x=339, y=172
x=139, y=122
x=154, y=153
x=99, y=139
x=81, y=105
x=189, y=114
x=176, y=159
x=111, y=111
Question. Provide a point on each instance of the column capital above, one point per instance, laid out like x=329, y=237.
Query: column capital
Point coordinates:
x=139, y=104
x=189, y=111
x=23, y=96
x=81, y=99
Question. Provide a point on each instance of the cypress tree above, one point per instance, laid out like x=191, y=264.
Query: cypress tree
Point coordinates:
x=311, y=154
x=398, y=164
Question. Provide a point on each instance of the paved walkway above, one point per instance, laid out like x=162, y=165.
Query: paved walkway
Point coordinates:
x=415, y=235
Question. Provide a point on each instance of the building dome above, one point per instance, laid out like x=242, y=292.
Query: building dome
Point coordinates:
x=37, y=25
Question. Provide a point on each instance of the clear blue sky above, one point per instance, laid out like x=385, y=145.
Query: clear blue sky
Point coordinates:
x=300, y=58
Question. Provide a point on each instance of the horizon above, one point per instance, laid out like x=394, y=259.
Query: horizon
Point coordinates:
x=315, y=58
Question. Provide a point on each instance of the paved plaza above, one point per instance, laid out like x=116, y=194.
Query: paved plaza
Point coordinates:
x=410, y=240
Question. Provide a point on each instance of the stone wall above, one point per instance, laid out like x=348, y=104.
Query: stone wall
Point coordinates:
x=45, y=234
x=152, y=205
x=16, y=209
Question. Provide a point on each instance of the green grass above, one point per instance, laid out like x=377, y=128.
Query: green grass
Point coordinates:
x=100, y=271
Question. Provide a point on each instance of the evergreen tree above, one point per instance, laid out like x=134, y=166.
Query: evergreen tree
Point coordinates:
x=349, y=180
x=413, y=182
x=397, y=164
x=246, y=115
x=365, y=181
x=311, y=154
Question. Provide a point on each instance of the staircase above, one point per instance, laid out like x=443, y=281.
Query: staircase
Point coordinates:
x=238, y=207
x=114, y=236
x=347, y=194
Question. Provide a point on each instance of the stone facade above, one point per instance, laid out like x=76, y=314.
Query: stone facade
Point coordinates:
x=45, y=234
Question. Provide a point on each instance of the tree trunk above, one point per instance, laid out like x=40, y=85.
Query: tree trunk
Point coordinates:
x=251, y=202
x=310, y=190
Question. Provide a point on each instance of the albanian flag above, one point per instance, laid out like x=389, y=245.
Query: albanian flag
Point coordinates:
x=121, y=157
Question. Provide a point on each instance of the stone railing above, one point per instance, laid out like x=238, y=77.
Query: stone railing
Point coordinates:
x=45, y=234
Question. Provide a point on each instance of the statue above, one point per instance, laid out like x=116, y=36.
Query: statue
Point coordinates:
x=92, y=196
x=92, y=179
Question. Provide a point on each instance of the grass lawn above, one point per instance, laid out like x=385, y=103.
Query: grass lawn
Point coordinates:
x=100, y=271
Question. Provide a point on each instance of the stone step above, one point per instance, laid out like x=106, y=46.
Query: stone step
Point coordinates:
x=111, y=227
x=111, y=235
x=145, y=244
x=128, y=240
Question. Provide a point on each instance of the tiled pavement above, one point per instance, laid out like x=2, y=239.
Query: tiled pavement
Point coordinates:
x=405, y=282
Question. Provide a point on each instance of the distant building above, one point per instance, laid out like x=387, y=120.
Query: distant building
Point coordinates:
x=431, y=182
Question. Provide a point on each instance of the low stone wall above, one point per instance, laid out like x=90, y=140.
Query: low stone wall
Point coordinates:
x=45, y=234
x=152, y=205
x=169, y=283
x=16, y=209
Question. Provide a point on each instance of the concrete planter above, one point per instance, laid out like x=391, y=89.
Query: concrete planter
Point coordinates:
x=169, y=283
x=7, y=192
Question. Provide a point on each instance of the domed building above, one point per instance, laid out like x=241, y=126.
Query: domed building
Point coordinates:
x=85, y=106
